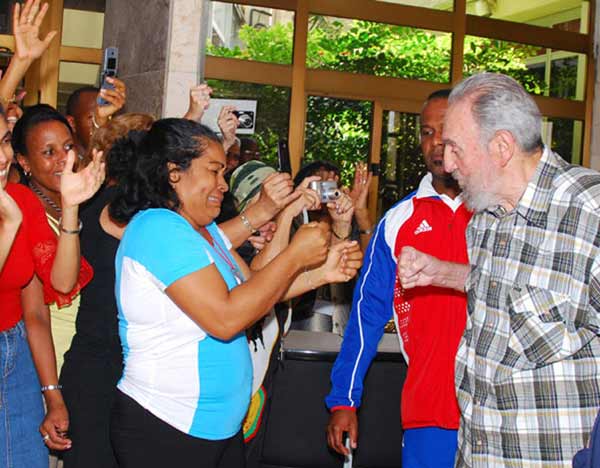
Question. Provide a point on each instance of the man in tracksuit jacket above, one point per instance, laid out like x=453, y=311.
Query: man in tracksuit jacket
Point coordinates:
x=429, y=320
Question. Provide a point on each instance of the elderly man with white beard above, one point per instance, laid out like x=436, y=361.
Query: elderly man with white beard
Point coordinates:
x=528, y=363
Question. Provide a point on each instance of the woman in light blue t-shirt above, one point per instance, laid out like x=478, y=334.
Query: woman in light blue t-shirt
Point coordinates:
x=185, y=298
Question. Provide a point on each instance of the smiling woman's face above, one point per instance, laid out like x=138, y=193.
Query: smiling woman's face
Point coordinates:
x=47, y=146
x=6, y=151
x=200, y=188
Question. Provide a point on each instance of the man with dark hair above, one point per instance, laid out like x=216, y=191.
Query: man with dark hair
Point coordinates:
x=527, y=366
x=430, y=321
x=85, y=114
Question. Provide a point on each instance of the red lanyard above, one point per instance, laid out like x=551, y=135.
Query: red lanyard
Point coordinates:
x=221, y=253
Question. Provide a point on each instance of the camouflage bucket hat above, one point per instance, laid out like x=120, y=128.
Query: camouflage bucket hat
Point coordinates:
x=246, y=182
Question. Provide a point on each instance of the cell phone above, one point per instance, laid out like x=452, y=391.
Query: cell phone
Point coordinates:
x=109, y=68
x=375, y=169
x=283, y=156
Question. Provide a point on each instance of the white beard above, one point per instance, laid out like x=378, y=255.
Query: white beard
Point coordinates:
x=476, y=197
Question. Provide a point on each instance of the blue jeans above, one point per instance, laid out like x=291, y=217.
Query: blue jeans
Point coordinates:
x=21, y=407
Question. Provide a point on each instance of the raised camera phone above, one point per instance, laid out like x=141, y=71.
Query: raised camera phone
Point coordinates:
x=109, y=68
x=283, y=156
x=327, y=190
x=245, y=119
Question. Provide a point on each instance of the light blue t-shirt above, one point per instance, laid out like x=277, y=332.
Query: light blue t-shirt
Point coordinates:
x=194, y=382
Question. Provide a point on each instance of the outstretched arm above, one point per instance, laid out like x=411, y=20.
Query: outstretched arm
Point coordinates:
x=416, y=268
x=27, y=20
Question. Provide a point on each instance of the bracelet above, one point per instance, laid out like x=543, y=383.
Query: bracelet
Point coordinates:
x=47, y=388
x=366, y=232
x=338, y=236
x=6, y=101
x=69, y=231
x=247, y=223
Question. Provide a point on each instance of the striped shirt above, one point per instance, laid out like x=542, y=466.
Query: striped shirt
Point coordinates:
x=528, y=366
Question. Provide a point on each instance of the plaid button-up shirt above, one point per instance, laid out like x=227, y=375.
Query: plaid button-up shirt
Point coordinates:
x=528, y=366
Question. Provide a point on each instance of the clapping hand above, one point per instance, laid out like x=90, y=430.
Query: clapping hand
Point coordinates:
x=26, y=29
x=77, y=187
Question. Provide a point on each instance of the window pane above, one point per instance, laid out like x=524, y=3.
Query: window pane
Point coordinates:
x=6, y=8
x=378, y=49
x=82, y=28
x=565, y=137
x=272, y=112
x=434, y=4
x=540, y=70
x=567, y=15
x=338, y=131
x=72, y=76
x=252, y=33
x=402, y=165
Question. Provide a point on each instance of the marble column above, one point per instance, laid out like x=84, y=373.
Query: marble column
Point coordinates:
x=158, y=43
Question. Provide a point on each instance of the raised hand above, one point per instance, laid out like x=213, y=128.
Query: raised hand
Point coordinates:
x=10, y=214
x=343, y=262
x=360, y=186
x=276, y=193
x=341, y=210
x=26, y=29
x=309, y=199
x=77, y=187
x=116, y=99
x=228, y=123
x=199, y=102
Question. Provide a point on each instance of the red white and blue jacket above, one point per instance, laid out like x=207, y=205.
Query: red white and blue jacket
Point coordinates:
x=430, y=320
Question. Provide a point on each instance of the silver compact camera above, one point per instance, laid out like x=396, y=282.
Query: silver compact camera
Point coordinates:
x=327, y=190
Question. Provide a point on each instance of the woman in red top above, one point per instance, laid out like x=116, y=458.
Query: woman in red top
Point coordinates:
x=40, y=269
x=10, y=218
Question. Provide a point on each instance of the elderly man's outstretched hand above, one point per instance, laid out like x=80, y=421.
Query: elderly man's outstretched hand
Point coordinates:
x=416, y=268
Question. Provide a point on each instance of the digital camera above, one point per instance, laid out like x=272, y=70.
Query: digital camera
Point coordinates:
x=327, y=190
x=245, y=118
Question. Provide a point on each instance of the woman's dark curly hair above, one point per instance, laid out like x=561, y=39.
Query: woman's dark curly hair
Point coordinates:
x=138, y=163
x=32, y=117
x=312, y=168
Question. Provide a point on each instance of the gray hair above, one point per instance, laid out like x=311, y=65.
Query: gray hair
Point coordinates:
x=501, y=103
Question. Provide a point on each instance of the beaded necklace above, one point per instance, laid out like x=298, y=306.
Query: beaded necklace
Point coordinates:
x=45, y=198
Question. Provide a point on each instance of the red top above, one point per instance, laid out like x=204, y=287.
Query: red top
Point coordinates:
x=33, y=251
x=431, y=320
